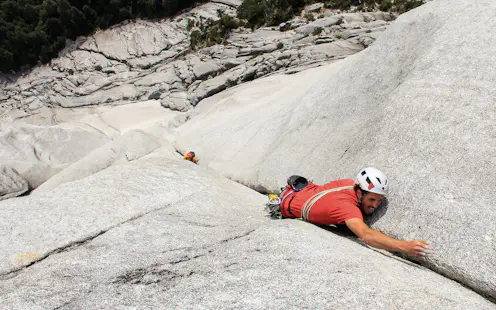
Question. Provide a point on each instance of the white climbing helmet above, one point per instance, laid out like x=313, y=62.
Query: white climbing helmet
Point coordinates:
x=373, y=180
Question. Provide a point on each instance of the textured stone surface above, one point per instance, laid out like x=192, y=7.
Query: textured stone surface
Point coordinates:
x=162, y=232
x=142, y=60
x=40, y=152
x=418, y=104
x=37, y=153
x=165, y=233
x=132, y=145
x=11, y=184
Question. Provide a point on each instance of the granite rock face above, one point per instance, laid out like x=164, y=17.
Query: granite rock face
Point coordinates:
x=143, y=60
x=11, y=184
x=37, y=152
x=418, y=104
x=162, y=232
x=132, y=145
x=94, y=138
x=118, y=220
x=140, y=61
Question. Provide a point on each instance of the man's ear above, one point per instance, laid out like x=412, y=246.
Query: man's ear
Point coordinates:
x=359, y=194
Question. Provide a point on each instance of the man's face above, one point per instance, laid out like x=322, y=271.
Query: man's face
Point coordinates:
x=370, y=202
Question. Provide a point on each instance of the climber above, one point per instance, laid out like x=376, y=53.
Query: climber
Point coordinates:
x=191, y=156
x=344, y=202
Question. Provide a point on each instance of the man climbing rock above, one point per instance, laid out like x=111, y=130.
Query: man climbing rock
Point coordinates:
x=344, y=202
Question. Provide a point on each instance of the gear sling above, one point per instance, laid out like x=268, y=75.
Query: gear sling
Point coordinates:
x=296, y=184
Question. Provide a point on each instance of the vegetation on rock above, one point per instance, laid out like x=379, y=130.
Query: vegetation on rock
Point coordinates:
x=211, y=32
x=270, y=12
x=273, y=12
x=34, y=31
x=399, y=6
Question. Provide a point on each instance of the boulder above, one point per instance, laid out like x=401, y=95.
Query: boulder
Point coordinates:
x=417, y=104
x=215, y=85
x=133, y=39
x=114, y=121
x=37, y=153
x=320, y=23
x=132, y=145
x=115, y=93
x=202, y=70
x=314, y=8
x=11, y=184
x=39, y=149
x=165, y=77
x=155, y=94
x=166, y=233
x=176, y=101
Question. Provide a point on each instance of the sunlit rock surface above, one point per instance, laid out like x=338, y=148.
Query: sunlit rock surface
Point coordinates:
x=419, y=104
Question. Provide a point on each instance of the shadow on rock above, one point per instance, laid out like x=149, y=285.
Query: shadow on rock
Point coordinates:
x=378, y=214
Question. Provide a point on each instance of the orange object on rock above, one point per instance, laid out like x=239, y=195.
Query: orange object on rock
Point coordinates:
x=191, y=156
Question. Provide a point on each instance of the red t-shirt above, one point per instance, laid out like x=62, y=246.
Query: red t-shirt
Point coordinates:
x=332, y=208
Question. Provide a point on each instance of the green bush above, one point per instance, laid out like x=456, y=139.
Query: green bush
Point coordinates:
x=195, y=38
x=280, y=45
x=410, y=5
x=269, y=12
x=317, y=31
x=34, y=31
x=399, y=6
x=309, y=17
x=213, y=32
x=386, y=5
x=339, y=4
x=190, y=24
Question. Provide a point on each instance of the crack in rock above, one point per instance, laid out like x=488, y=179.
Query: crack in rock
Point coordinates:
x=75, y=244
x=187, y=248
x=185, y=259
x=67, y=303
x=75, y=299
x=124, y=62
x=153, y=274
x=238, y=237
x=156, y=273
x=146, y=276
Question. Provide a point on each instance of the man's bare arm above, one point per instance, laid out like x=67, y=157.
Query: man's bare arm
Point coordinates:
x=379, y=240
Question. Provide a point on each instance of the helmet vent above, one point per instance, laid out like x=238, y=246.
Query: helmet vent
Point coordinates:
x=372, y=180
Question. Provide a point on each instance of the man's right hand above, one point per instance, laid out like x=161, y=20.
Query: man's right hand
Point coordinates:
x=417, y=248
x=374, y=238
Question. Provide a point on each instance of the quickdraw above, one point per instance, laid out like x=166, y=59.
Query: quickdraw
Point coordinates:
x=273, y=207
